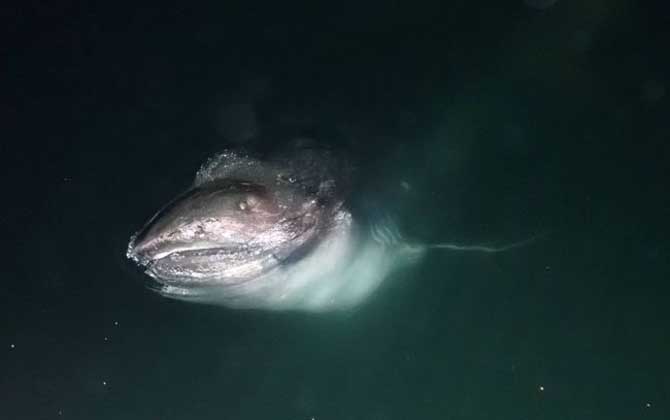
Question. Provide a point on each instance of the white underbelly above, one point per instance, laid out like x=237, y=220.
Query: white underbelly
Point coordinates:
x=342, y=271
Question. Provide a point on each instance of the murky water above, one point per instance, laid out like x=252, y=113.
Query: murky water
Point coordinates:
x=475, y=125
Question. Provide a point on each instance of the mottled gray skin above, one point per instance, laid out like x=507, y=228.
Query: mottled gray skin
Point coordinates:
x=268, y=234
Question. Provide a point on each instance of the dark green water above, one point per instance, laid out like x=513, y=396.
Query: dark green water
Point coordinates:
x=470, y=121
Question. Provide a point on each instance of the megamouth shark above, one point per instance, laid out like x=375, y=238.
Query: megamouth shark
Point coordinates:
x=269, y=233
x=272, y=233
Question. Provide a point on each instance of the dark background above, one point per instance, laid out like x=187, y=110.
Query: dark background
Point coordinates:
x=474, y=121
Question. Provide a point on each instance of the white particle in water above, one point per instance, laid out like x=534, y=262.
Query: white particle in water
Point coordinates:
x=11, y=346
